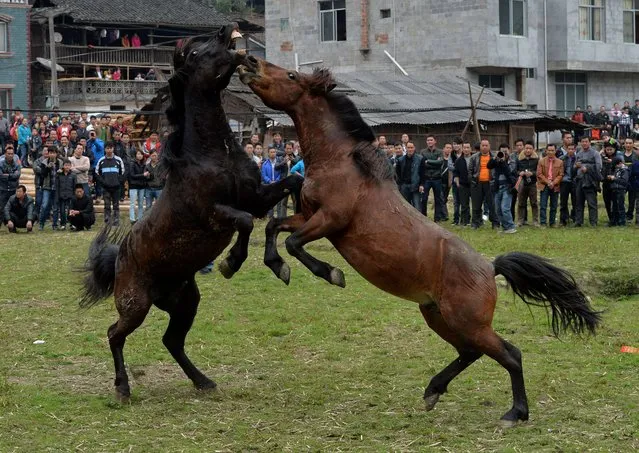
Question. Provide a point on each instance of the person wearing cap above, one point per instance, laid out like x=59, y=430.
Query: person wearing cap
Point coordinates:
x=588, y=176
x=607, y=169
x=618, y=185
x=18, y=211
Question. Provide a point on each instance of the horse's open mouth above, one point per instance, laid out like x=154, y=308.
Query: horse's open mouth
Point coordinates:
x=246, y=73
x=235, y=35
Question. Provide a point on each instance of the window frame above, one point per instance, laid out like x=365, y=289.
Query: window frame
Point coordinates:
x=634, y=10
x=573, y=79
x=501, y=90
x=591, y=8
x=333, y=11
x=511, y=22
x=7, y=94
x=4, y=23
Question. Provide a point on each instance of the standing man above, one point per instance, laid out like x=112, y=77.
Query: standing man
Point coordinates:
x=18, y=211
x=280, y=148
x=447, y=177
x=456, y=154
x=49, y=178
x=480, y=192
x=619, y=185
x=568, y=188
x=550, y=172
x=110, y=172
x=9, y=175
x=588, y=169
x=271, y=171
x=607, y=169
x=628, y=158
x=407, y=172
x=5, y=128
x=527, y=170
x=462, y=182
x=503, y=179
x=80, y=166
x=430, y=177
x=566, y=140
x=95, y=148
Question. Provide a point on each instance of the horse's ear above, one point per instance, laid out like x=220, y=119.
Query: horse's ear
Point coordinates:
x=322, y=81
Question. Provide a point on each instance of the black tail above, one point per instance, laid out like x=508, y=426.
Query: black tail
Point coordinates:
x=100, y=266
x=534, y=279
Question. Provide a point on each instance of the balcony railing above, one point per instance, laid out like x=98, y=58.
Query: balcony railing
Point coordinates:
x=144, y=56
x=17, y=2
x=98, y=90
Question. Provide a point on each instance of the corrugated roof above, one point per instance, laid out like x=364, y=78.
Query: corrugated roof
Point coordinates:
x=188, y=13
x=385, y=98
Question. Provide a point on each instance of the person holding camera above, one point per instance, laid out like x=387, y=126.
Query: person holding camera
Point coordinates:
x=502, y=181
x=527, y=171
x=49, y=177
x=550, y=172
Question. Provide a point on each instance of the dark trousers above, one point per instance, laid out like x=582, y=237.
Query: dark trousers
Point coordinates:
x=481, y=194
x=527, y=192
x=632, y=197
x=80, y=222
x=63, y=210
x=445, y=192
x=412, y=197
x=567, y=191
x=4, y=199
x=606, y=193
x=548, y=195
x=589, y=195
x=618, y=208
x=513, y=204
x=18, y=222
x=112, y=197
x=464, y=205
x=436, y=185
x=456, y=205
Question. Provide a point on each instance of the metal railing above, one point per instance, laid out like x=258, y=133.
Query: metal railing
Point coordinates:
x=147, y=56
x=98, y=90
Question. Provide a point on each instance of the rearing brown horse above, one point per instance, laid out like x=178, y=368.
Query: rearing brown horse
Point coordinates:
x=350, y=197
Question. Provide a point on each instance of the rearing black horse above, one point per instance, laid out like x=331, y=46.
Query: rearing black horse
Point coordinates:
x=212, y=190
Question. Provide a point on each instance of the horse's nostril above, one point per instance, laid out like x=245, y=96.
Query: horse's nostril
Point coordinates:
x=252, y=59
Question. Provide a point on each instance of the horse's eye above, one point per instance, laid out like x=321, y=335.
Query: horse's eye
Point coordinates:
x=291, y=75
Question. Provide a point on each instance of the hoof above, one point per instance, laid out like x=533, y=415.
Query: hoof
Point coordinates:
x=122, y=398
x=431, y=400
x=285, y=273
x=337, y=278
x=507, y=424
x=206, y=386
x=225, y=269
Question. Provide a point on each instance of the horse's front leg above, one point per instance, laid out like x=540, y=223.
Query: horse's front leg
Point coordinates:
x=270, y=194
x=241, y=221
x=318, y=226
x=272, y=258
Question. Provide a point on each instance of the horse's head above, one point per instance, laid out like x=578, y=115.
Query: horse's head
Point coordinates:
x=209, y=65
x=281, y=88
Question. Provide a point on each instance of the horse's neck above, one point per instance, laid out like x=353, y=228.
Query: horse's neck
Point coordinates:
x=206, y=127
x=317, y=131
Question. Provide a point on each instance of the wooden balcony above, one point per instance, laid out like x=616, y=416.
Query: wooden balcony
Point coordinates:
x=108, y=56
x=94, y=90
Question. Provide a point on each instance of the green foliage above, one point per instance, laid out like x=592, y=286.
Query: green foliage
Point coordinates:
x=308, y=366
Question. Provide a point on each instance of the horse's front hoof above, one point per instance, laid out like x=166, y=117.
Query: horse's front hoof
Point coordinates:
x=225, y=269
x=507, y=424
x=337, y=278
x=431, y=400
x=285, y=273
x=122, y=397
x=206, y=386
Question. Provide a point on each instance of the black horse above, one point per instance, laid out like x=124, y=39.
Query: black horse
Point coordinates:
x=212, y=190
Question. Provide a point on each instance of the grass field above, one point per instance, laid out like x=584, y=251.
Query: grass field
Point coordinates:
x=311, y=366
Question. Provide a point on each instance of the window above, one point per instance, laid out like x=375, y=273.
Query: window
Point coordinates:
x=631, y=21
x=512, y=17
x=5, y=99
x=332, y=20
x=571, y=92
x=384, y=13
x=284, y=24
x=493, y=82
x=4, y=41
x=591, y=19
x=531, y=73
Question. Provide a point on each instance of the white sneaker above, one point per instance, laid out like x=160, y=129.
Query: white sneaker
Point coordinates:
x=511, y=231
x=485, y=217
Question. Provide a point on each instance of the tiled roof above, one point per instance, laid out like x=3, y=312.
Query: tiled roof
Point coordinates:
x=188, y=13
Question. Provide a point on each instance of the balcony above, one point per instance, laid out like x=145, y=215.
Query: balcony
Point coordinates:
x=93, y=90
x=16, y=2
x=109, y=56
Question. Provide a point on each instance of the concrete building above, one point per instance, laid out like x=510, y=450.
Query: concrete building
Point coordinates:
x=15, y=65
x=590, y=56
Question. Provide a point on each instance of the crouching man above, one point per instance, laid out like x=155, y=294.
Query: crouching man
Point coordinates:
x=19, y=211
x=81, y=216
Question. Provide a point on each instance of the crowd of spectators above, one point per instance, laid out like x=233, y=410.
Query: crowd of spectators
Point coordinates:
x=78, y=161
x=618, y=122
x=497, y=186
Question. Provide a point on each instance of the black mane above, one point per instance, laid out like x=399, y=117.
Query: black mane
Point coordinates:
x=370, y=161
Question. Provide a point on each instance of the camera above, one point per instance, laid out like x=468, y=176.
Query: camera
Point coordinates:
x=500, y=155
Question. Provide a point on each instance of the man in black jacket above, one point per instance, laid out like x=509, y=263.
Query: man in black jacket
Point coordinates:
x=65, y=192
x=461, y=179
x=430, y=176
x=527, y=169
x=18, y=212
x=110, y=171
x=81, y=214
x=407, y=172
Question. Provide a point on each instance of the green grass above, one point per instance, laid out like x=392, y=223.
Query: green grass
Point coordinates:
x=310, y=366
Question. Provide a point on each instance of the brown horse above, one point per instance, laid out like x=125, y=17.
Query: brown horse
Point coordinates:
x=212, y=190
x=350, y=197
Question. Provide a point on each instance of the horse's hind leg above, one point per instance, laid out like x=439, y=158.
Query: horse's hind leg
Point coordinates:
x=182, y=314
x=467, y=355
x=272, y=258
x=133, y=308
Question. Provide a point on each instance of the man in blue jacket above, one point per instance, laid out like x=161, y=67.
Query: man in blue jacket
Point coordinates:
x=95, y=146
x=272, y=170
x=109, y=172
